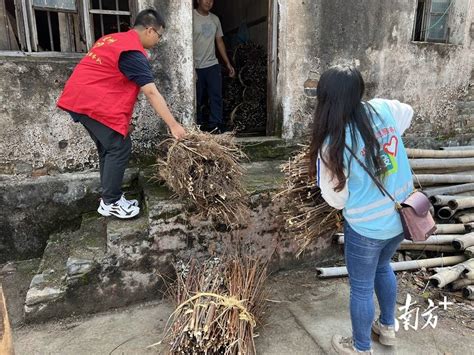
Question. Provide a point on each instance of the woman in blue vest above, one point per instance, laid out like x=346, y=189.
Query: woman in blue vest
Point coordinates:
x=372, y=232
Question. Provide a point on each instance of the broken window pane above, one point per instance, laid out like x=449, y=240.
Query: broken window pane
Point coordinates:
x=47, y=25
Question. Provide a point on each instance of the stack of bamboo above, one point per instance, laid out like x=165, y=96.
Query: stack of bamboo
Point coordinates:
x=447, y=178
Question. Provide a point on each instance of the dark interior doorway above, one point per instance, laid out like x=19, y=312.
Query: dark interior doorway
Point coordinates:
x=248, y=32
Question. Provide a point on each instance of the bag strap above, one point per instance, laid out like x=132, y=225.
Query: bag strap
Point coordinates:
x=382, y=189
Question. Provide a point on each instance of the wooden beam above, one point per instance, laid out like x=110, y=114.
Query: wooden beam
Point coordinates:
x=109, y=12
x=6, y=342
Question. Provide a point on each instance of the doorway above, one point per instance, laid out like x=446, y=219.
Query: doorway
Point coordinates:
x=250, y=35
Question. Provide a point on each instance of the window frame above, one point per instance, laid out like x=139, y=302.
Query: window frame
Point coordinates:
x=426, y=23
x=28, y=34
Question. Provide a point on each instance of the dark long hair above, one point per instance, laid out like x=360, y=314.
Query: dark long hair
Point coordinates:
x=339, y=92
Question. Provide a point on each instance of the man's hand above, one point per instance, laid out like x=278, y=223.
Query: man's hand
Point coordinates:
x=231, y=70
x=177, y=131
x=131, y=128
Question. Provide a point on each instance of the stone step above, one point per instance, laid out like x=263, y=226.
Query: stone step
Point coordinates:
x=69, y=260
x=263, y=176
x=267, y=148
x=120, y=262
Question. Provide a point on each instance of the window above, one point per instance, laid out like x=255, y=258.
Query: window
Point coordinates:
x=432, y=21
x=61, y=25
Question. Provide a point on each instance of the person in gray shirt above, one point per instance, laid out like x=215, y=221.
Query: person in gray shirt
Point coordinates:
x=208, y=32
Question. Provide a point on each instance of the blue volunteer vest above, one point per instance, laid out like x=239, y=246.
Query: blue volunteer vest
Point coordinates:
x=367, y=211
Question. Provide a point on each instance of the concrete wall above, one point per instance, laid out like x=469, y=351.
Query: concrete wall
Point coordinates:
x=34, y=135
x=376, y=36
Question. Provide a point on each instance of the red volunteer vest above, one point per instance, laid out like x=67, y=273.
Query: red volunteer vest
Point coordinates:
x=98, y=89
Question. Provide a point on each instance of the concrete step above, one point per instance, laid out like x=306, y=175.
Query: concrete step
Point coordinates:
x=110, y=263
x=70, y=258
x=266, y=148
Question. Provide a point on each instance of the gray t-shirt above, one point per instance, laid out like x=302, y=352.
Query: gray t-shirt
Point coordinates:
x=206, y=30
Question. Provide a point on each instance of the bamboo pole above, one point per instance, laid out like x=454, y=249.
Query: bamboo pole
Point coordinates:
x=445, y=277
x=442, y=200
x=461, y=203
x=448, y=275
x=452, y=228
x=459, y=284
x=449, y=189
x=6, y=338
x=436, y=239
x=468, y=292
x=421, y=164
x=428, y=247
x=428, y=153
x=466, y=217
x=445, y=213
x=437, y=179
x=462, y=147
x=397, y=266
x=464, y=241
x=469, y=252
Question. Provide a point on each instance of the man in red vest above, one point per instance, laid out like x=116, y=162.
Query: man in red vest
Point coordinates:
x=101, y=94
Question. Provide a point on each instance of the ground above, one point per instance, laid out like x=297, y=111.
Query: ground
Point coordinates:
x=304, y=312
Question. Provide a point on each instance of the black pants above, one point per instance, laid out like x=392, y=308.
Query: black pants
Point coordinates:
x=210, y=82
x=114, y=152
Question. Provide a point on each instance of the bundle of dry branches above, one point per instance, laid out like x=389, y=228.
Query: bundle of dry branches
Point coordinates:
x=204, y=169
x=219, y=304
x=307, y=215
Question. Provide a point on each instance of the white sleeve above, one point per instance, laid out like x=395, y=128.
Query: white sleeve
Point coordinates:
x=325, y=182
x=402, y=113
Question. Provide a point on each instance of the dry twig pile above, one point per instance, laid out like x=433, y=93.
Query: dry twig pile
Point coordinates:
x=204, y=169
x=307, y=215
x=219, y=304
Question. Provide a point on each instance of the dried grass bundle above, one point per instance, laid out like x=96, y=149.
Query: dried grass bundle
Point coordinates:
x=219, y=304
x=204, y=169
x=307, y=215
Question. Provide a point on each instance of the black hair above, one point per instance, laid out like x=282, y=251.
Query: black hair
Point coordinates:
x=149, y=18
x=339, y=93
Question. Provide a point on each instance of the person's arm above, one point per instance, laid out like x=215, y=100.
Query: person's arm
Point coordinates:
x=327, y=184
x=135, y=66
x=223, y=53
x=158, y=103
x=401, y=112
x=221, y=48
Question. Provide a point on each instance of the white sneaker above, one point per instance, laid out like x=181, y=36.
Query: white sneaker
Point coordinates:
x=386, y=333
x=130, y=202
x=119, y=209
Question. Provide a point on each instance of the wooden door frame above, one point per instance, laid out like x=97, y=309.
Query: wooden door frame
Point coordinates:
x=273, y=126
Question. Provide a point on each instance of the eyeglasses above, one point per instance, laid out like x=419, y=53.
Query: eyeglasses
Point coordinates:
x=157, y=33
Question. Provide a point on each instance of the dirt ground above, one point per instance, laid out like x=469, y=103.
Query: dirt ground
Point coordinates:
x=304, y=312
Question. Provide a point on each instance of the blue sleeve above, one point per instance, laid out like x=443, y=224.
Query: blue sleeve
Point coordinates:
x=135, y=66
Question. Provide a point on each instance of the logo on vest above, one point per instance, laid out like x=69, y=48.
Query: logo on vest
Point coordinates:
x=104, y=40
x=388, y=157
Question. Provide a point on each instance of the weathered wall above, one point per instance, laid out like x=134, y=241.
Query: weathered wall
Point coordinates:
x=36, y=135
x=376, y=36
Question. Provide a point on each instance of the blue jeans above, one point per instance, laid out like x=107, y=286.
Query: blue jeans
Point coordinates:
x=368, y=265
x=210, y=82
